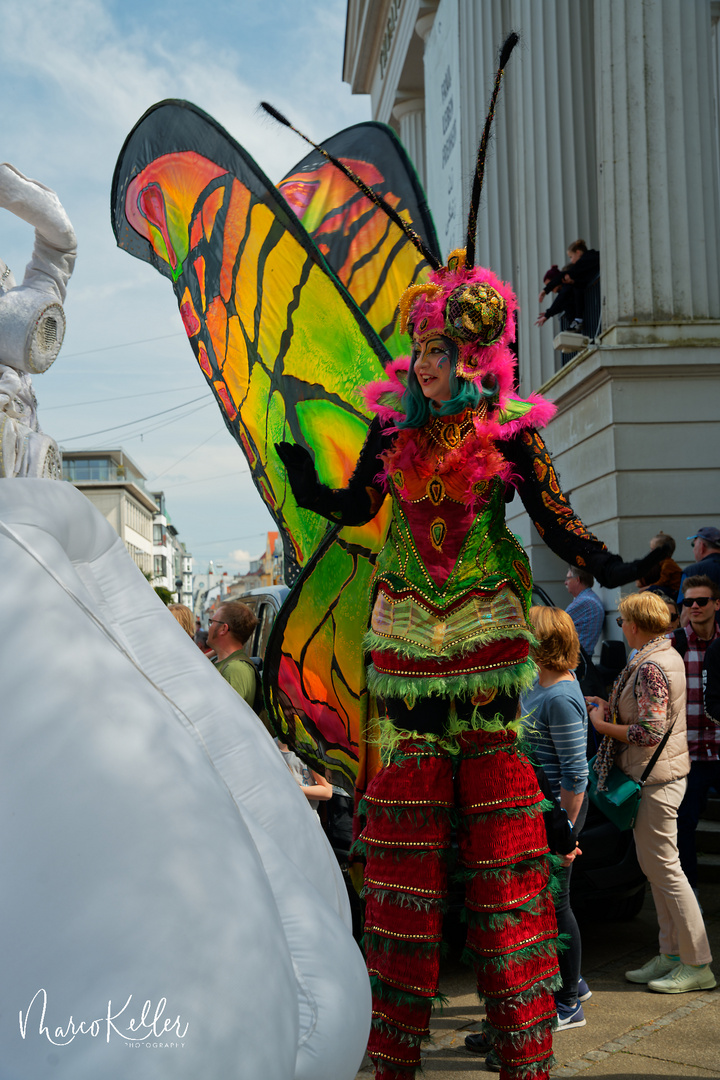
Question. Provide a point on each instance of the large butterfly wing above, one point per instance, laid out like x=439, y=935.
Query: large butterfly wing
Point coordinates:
x=372, y=258
x=314, y=686
x=286, y=351
x=328, y=713
x=281, y=343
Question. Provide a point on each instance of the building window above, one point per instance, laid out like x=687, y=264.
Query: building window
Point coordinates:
x=157, y=534
x=138, y=518
x=79, y=469
x=140, y=557
x=160, y=566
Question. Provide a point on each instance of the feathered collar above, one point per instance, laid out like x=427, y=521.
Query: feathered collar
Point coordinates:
x=512, y=414
x=463, y=445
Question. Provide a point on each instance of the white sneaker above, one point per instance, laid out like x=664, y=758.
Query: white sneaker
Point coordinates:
x=654, y=969
x=683, y=978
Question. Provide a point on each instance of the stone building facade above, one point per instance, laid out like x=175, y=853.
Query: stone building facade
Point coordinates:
x=116, y=487
x=607, y=130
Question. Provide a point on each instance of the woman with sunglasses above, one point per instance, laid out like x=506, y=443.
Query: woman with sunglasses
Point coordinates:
x=648, y=700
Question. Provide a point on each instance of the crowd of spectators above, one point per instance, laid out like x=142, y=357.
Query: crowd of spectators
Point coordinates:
x=692, y=599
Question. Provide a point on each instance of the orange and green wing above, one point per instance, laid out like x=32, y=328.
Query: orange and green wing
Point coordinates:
x=286, y=351
x=372, y=258
x=279, y=340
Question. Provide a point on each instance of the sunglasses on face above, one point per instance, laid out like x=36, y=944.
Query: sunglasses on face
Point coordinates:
x=701, y=601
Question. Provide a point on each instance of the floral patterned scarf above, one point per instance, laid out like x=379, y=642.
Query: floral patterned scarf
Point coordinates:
x=605, y=757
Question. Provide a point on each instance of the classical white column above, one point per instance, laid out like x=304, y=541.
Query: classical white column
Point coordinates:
x=410, y=114
x=482, y=30
x=657, y=155
x=550, y=120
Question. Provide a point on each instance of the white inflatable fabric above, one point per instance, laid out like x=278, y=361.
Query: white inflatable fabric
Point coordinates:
x=32, y=323
x=170, y=908
x=28, y=341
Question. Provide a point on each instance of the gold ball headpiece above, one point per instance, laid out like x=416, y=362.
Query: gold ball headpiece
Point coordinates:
x=475, y=313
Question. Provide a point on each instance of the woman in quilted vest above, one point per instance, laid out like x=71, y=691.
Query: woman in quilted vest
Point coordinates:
x=647, y=700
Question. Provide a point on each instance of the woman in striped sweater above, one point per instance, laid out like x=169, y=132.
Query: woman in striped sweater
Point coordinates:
x=558, y=716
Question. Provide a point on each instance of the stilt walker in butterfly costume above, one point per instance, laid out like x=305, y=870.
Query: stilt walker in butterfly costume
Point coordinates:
x=449, y=642
x=286, y=329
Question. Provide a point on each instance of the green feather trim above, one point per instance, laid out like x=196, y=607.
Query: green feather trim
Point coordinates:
x=548, y=985
x=513, y=679
x=509, y=812
x=398, y=854
x=518, y=1039
x=399, y=1035
x=528, y=1070
x=398, y=945
x=507, y=873
x=403, y=899
x=503, y=873
x=373, y=642
x=390, y=738
x=413, y=815
x=384, y=992
x=519, y=956
x=495, y=920
x=556, y=883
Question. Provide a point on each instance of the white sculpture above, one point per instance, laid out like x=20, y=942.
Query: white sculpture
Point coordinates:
x=32, y=323
x=170, y=908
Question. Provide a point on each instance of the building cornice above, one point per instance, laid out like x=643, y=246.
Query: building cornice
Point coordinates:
x=127, y=486
x=365, y=29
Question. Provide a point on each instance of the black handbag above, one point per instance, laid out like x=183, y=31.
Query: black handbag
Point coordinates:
x=620, y=801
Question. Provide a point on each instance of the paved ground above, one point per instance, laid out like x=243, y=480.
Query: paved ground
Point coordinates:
x=630, y=1032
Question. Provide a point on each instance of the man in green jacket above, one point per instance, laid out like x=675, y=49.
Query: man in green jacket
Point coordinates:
x=228, y=630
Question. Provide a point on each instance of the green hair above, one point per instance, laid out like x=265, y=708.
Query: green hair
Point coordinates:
x=418, y=409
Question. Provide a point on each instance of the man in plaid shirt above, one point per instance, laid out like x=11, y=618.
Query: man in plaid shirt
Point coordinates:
x=586, y=608
x=702, y=597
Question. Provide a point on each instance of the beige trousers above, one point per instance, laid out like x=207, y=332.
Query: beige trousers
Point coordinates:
x=682, y=930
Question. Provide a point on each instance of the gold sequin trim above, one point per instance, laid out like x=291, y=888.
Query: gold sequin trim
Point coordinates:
x=521, y=987
x=400, y=1027
x=435, y=490
x=516, y=948
x=426, y=991
x=406, y=1062
x=438, y=533
x=420, y=844
x=409, y=802
x=432, y=938
x=523, y=1027
x=502, y=802
x=448, y=433
x=508, y=862
x=493, y=907
x=403, y=888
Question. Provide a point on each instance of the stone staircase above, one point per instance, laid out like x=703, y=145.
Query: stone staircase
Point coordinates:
x=707, y=841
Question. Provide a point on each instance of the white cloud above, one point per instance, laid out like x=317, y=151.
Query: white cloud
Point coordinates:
x=240, y=560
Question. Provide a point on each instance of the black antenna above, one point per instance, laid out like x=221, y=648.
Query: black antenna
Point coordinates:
x=412, y=236
x=507, y=48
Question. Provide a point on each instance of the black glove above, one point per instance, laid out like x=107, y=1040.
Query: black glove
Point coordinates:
x=611, y=571
x=558, y=830
x=301, y=472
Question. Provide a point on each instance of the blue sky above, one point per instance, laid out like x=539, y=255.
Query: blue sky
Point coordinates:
x=77, y=77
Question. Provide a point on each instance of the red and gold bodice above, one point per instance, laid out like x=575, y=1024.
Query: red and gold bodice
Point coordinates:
x=452, y=585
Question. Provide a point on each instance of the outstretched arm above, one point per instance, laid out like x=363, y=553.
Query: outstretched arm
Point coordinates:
x=353, y=505
x=554, y=518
